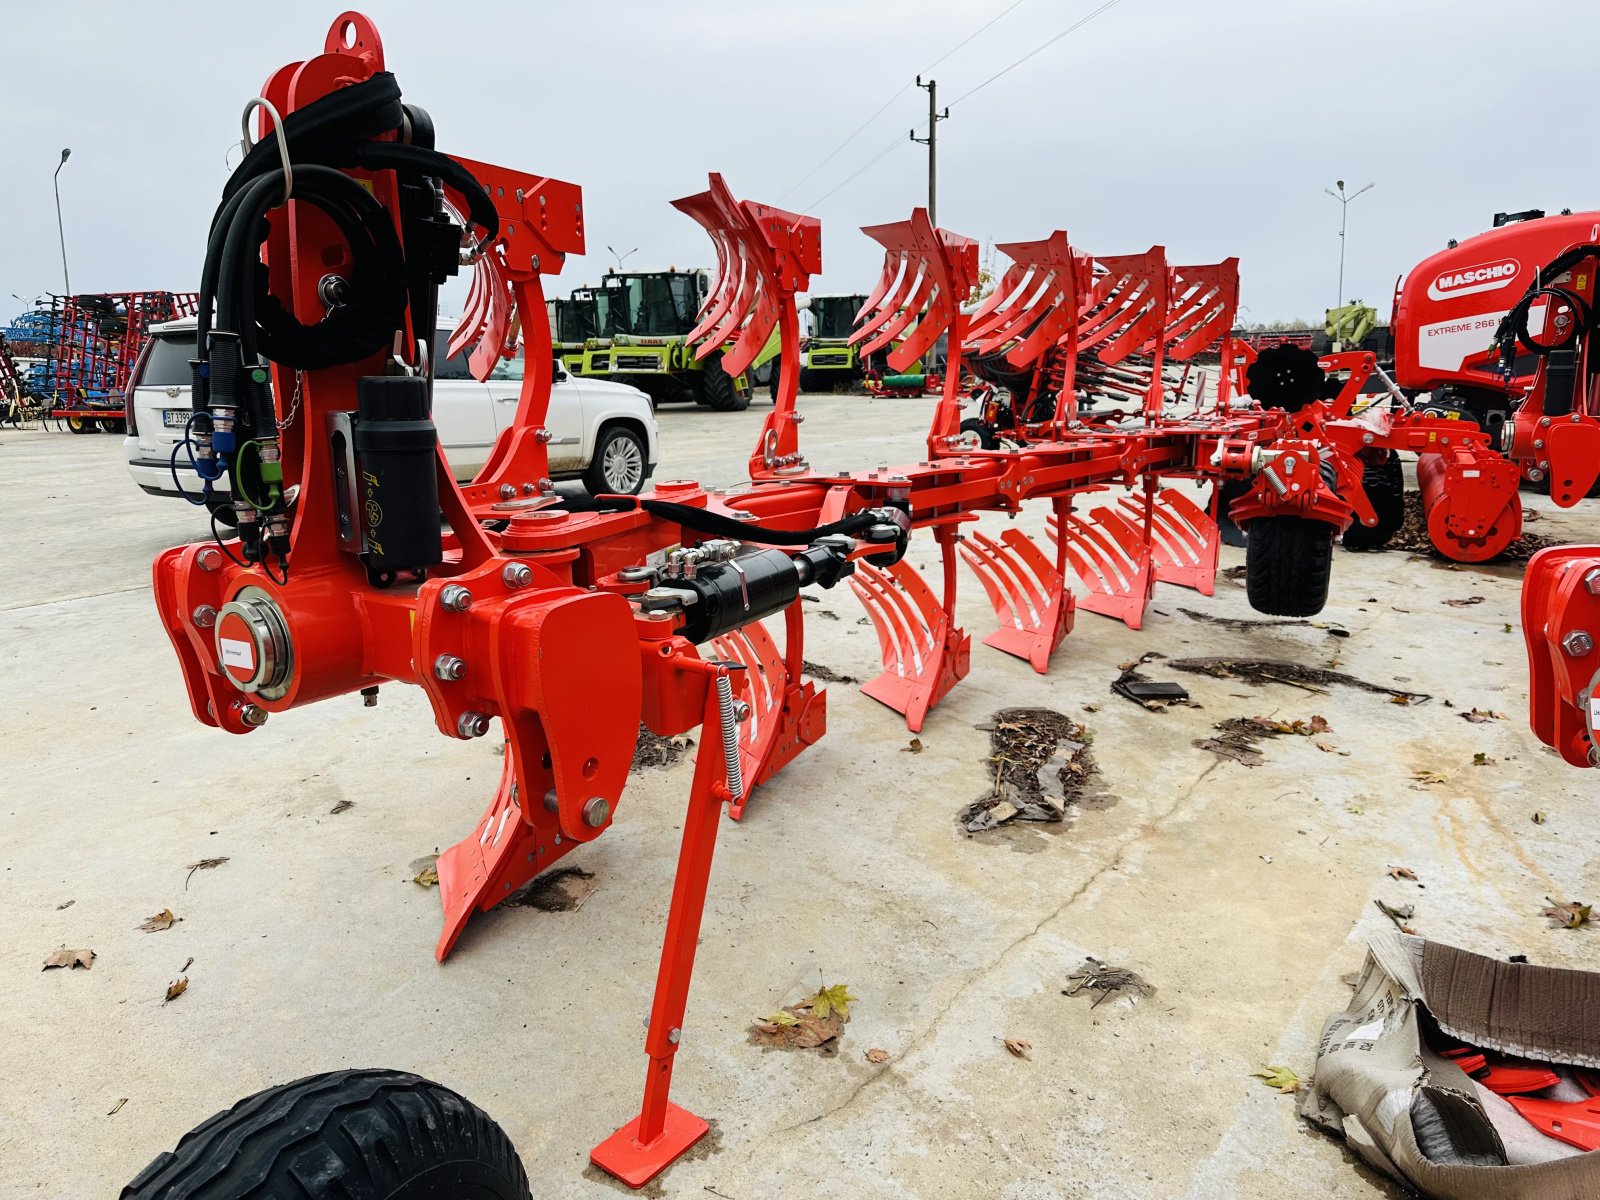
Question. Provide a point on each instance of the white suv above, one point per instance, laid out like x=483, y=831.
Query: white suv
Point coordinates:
x=601, y=432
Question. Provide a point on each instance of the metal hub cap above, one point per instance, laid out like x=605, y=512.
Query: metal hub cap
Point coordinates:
x=253, y=644
x=622, y=465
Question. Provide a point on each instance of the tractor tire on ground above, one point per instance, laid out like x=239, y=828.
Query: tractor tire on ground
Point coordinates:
x=80, y=424
x=717, y=388
x=1385, y=486
x=1288, y=561
x=618, y=467
x=355, y=1135
x=974, y=430
x=772, y=379
x=1231, y=534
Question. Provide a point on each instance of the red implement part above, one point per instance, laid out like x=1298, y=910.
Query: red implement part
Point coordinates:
x=1560, y=621
x=1471, y=500
x=1113, y=560
x=924, y=653
x=927, y=275
x=1575, y=1122
x=1027, y=592
x=1032, y=315
x=764, y=256
x=1125, y=313
x=1513, y=1081
x=786, y=714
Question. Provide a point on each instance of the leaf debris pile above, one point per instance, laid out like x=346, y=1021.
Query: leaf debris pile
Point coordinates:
x=653, y=750
x=814, y=1023
x=824, y=674
x=561, y=890
x=1104, y=982
x=1413, y=538
x=1236, y=737
x=1268, y=670
x=1239, y=622
x=1040, y=763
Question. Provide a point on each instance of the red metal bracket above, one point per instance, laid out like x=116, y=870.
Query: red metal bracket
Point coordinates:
x=1560, y=623
x=1027, y=593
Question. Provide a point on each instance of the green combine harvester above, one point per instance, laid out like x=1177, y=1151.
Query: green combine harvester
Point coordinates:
x=634, y=328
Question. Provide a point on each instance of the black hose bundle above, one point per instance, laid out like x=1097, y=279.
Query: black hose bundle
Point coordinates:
x=716, y=525
x=1513, y=328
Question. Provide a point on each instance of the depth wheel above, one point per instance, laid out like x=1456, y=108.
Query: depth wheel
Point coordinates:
x=80, y=424
x=354, y=1135
x=1288, y=561
x=977, y=435
x=1386, y=489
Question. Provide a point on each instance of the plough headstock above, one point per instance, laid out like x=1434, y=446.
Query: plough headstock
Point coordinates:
x=765, y=255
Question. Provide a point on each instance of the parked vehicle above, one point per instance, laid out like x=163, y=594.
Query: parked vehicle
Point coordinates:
x=602, y=433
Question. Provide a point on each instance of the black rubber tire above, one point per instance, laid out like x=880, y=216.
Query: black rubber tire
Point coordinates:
x=986, y=436
x=594, y=478
x=356, y=1135
x=717, y=387
x=116, y=425
x=1288, y=561
x=1385, y=486
x=80, y=424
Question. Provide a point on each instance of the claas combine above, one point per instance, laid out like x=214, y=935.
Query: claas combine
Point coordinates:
x=359, y=562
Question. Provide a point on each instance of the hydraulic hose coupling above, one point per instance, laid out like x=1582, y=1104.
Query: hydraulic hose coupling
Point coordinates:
x=730, y=736
x=222, y=354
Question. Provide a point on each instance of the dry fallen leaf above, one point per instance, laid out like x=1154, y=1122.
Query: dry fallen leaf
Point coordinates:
x=205, y=864
x=342, y=806
x=70, y=958
x=1019, y=1048
x=177, y=988
x=913, y=747
x=782, y=1018
x=1282, y=1078
x=1402, y=873
x=1480, y=715
x=1430, y=777
x=834, y=999
x=426, y=871
x=811, y=1024
x=162, y=920
x=1569, y=914
x=1324, y=747
x=1470, y=600
x=877, y=1056
x=1480, y=759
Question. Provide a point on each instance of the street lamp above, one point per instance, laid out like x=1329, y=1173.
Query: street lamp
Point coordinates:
x=60, y=228
x=1344, y=209
x=620, y=259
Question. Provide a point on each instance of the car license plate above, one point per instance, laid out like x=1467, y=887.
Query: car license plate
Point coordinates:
x=175, y=418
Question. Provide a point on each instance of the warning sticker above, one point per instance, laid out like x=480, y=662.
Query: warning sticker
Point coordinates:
x=237, y=654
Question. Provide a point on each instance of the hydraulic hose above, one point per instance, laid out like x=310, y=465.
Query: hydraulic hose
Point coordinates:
x=716, y=525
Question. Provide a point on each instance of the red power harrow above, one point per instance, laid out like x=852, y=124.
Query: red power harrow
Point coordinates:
x=360, y=562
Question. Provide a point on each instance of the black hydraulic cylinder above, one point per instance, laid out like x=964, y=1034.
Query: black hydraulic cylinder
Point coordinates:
x=396, y=448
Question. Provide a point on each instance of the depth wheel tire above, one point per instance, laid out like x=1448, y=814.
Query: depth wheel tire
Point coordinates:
x=1287, y=564
x=974, y=430
x=1231, y=534
x=717, y=387
x=1386, y=489
x=618, y=467
x=80, y=424
x=355, y=1135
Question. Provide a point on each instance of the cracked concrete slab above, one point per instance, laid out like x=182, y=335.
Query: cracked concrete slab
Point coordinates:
x=1242, y=895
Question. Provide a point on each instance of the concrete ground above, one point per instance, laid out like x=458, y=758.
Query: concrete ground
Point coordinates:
x=1241, y=894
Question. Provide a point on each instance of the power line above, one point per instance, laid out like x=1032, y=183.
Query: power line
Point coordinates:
x=882, y=154
x=1073, y=28
x=859, y=129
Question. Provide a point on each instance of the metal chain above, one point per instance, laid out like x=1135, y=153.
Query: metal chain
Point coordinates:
x=294, y=403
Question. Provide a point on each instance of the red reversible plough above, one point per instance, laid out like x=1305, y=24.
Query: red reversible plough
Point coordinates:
x=360, y=562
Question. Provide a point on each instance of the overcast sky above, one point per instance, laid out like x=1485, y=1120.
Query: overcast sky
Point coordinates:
x=1208, y=126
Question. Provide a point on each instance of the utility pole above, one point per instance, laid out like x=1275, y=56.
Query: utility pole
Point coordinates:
x=1344, y=211
x=932, y=143
x=60, y=228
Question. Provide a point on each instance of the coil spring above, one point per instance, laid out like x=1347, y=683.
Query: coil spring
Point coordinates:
x=730, y=737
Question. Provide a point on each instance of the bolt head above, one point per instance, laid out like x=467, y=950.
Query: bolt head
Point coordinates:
x=208, y=559
x=455, y=598
x=472, y=724
x=449, y=668
x=204, y=616
x=741, y=711
x=595, y=811
x=1591, y=581
x=517, y=575
x=253, y=715
x=1577, y=643
x=551, y=802
x=507, y=491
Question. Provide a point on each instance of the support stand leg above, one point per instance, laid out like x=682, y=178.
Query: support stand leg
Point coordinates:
x=662, y=1131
